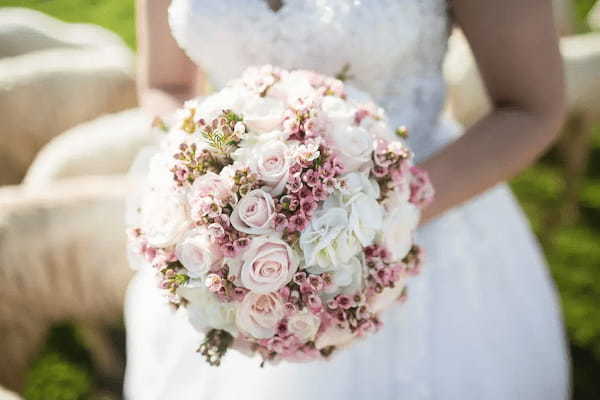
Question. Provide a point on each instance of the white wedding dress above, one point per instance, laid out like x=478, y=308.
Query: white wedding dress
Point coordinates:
x=481, y=322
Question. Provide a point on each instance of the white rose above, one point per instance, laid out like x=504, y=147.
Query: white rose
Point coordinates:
x=338, y=111
x=254, y=213
x=326, y=242
x=229, y=98
x=269, y=264
x=164, y=217
x=398, y=229
x=263, y=114
x=292, y=87
x=159, y=175
x=205, y=311
x=352, y=144
x=304, y=325
x=212, y=106
x=259, y=314
x=245, y=154
x=379, y=128
x=197, y=253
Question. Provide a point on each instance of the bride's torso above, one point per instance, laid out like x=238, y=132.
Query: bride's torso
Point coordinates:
x=394, y=48
x=470, y=315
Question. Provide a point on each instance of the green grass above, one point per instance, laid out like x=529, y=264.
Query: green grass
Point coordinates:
x=63, y=369
x=582, y=8
x=573, y=253
x=116, y=15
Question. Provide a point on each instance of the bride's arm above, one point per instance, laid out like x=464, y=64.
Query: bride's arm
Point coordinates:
x=166, y=76
x=515, y=45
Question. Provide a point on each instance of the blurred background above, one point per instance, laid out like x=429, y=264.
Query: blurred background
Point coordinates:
x=70, y=128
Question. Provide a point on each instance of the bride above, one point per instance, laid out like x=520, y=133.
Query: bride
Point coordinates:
x=485, y=322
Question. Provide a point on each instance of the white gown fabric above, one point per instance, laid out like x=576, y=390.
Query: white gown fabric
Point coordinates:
x=481, y=322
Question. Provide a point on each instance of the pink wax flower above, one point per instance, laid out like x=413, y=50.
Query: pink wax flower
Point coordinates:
x=309, y=206
x=421, y=190
x=315, y=303
x=280, y=222
x=298, y=222
x=305, y=193
x=295, y=169
x=310, y=177
x=344, y=301
x=294, y=184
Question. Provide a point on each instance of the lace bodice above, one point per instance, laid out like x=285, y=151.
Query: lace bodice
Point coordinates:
x=394, y=48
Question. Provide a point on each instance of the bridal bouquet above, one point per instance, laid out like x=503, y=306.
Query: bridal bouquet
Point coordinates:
x=279, y=213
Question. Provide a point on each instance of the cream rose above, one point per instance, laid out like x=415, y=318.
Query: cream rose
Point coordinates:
x=334, y=336
x=366, y=218
x=254, y=213
x=259, y=314
x=205, y=311
x=270, y=264
x=398, y=229
x=388, y=296
x=197, y=253
x=304, y=325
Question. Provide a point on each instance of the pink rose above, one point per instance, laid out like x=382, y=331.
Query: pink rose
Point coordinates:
x=270, y=264
x=259, y=314
x=304, y=325
x=197, y=253
x=272, y=166
x=254, y=213
x=212, y=185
